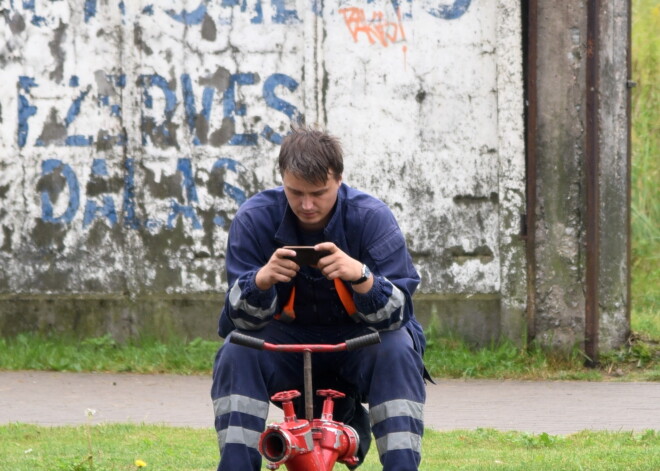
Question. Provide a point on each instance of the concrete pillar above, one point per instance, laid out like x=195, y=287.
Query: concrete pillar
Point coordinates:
x=569, y=145
x=614, y=120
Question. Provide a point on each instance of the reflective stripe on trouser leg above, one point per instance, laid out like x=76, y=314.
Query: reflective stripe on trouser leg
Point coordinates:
x=398, y=425
x=239, y=422
x=396, y=397
x=240, y=403
x=256, y=412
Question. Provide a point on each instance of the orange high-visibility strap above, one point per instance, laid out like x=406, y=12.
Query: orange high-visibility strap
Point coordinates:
x=288, y=314
x=345, y=297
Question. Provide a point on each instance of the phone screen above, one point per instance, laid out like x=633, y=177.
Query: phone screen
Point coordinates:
x=306, y=255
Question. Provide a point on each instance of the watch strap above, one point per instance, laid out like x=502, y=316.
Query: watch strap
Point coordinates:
x=366, y=273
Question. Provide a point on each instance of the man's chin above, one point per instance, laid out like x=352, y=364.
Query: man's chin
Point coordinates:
x=310, y=223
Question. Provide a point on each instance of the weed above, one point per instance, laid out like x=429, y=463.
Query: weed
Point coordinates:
x=542, y=440
x=100, y=343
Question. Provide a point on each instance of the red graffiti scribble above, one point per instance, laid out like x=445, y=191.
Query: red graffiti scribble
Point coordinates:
x=376, y=29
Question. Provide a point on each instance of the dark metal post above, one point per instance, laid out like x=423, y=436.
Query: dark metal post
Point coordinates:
x=592, y=170
x=309, y=397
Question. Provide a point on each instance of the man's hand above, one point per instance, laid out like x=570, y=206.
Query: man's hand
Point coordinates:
x=341, y=265
x=278, y=269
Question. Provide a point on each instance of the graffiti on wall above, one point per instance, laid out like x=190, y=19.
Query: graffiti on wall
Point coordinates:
x=175, y=112
x=157, y=126
x=281, y=12
x=378, y=29
x=63, y=198
x=385, y=27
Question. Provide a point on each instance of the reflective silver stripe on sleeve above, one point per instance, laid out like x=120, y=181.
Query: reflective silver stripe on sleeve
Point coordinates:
x=238, y=435
x=396, y=301
x=242, y=404
x=399, y=441
x=241, y=304
x=396, y=408
x=247, y=325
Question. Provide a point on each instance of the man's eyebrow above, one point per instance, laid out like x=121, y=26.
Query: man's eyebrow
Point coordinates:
x=317, y=192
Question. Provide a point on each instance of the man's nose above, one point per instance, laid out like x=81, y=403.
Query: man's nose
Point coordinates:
x=307, y=202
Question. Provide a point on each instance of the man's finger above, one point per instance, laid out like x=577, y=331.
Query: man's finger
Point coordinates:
x=329, y=246
x=289, y=269
x=284, y=253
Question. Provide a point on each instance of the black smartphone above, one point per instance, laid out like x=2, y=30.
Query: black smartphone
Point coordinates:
x=306, y=255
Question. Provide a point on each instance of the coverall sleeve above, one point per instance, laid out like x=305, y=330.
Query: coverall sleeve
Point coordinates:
x=246, y=306
x=388, y=304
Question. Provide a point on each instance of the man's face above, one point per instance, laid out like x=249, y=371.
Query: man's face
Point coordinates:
x=311, y=202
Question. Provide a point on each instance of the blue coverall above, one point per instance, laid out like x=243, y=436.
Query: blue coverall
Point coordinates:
x=389, y=376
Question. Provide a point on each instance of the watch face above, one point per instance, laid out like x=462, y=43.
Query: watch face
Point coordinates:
x=364, y=276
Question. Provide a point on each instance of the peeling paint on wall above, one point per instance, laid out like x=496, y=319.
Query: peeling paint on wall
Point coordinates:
x=131, y=132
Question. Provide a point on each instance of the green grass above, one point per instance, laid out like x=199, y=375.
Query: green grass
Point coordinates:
x=453, y=358
x=34, y=352
x=645, y=191
x=638, y=360
x=445, y=358
x=117, y=447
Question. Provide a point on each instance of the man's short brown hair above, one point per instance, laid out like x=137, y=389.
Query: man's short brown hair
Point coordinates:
x=311, y=154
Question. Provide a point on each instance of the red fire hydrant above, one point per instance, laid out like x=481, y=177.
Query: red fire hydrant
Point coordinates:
x=310, y=444
x=304, y=446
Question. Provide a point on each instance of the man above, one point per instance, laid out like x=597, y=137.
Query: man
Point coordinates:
x=279, y=301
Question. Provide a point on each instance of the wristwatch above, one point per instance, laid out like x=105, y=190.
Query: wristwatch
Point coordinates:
x=366, y=273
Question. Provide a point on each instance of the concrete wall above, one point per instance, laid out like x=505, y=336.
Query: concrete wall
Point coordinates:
x=132, y=131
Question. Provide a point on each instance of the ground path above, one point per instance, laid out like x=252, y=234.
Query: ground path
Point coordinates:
x=554, y=407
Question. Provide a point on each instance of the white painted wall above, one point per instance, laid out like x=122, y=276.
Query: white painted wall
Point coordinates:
x=131, y=131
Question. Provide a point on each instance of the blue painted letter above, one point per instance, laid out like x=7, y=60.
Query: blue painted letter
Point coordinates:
x=228, y=189
x=130, y=218
x=25, y=109
x=48, y=167
x=74, y=110
x=185, y=210
x=191, y=109
x=195, y=17
x=149, y=126
x=450, y=12
x=282, y=15
x=273, y=101
x=231, y=109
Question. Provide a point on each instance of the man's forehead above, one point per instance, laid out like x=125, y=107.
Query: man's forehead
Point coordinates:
x=294, y=181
